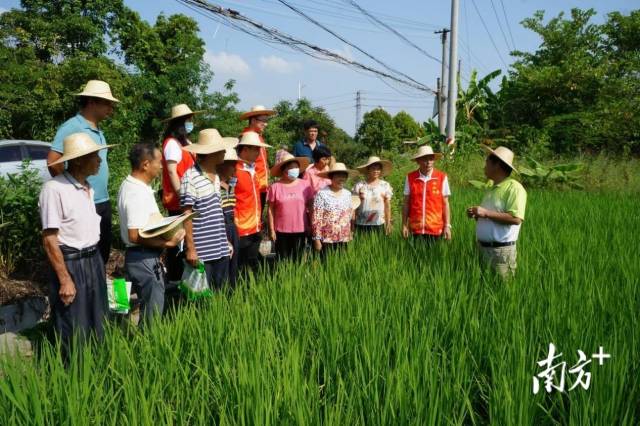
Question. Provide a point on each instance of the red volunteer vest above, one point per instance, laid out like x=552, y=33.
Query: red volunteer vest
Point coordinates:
x=170, y=199
x=248, y=207
x=262, y=166
x=426, y=203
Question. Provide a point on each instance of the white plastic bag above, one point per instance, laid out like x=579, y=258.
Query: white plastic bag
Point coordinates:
x=194, y=282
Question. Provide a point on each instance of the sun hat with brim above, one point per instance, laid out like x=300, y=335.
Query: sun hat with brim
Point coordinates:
x=285, y=159
x=425, y=150
x=386, y=165
x=337, y=168
x=209, y=142
x=230, y=154
x=182, y=110
x=504, y=154
x=78, y=145
x=97, y=89
x=257, y=110
x=252, y=139
x=165, y=227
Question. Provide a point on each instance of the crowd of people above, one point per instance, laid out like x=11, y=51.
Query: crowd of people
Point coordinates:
x=222, y=200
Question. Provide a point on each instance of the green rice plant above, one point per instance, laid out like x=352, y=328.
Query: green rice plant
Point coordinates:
x=386, y=332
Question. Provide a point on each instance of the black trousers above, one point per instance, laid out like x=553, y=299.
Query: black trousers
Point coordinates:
x=174, y=258
x=85, y=315
x=290, y=245
x=370, y=228
x=104, y=245
x=331, y=248
x=248, y=252
x=232, y=235
x=217, y=272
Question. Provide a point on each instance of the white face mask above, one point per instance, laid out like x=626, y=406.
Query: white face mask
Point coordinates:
x=293, y=173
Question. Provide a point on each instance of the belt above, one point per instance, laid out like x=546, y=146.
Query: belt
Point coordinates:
x=70, y=253
x=141, y=249
x=496, y=244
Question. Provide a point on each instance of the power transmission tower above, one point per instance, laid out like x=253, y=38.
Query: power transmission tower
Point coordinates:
x=442, y=97
x=358, y=110
x=453, y=72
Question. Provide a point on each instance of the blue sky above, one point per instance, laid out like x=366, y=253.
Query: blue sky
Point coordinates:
x=266, y=74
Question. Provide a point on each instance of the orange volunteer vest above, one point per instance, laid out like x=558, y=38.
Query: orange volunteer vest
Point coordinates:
x=426, y=203
x=248, y=206
x=262, y=166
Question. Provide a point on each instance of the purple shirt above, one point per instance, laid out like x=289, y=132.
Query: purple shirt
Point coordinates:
x=290, y=205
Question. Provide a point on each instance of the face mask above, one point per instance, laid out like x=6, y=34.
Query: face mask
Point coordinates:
x=188, y=126
x=233, y=180
x=293, y=173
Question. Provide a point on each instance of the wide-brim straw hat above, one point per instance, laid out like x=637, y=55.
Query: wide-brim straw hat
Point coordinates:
x=386, y=165
x=97, y=89
x=338, y=168
x=182, y=110
x=287, y=158
x=164, y=227
x=209, y=142
x=425, y=150
x=504, y=154
x=230, y=154
x=78, y=145
x=257, y=110
x=252, y=139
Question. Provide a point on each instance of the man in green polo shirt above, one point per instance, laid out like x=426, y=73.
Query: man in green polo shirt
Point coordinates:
x=96, y=104
x=500, y=214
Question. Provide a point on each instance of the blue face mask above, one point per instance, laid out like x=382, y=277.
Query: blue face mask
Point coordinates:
x=233, y=180
x=188, y=126
x=293, y=173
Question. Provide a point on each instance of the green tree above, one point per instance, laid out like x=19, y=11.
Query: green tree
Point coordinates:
x=377, y=131
x=406, y=126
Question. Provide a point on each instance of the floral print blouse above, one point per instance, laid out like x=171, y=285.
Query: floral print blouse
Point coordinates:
x=331, y=217
x=371, y=210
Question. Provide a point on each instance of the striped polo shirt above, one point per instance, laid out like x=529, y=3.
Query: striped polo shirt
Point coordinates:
x=202, y=194
x=228, y=200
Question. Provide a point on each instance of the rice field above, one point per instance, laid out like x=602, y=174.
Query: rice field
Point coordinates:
x=389, y=332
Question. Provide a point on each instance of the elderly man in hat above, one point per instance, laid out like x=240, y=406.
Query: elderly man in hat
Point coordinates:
x=258, y=118
x=137, y=207
x=248, y=211
x=500, y=214
x=96, y=104
x=206, y=234
x=71, y=232
x=425, y=211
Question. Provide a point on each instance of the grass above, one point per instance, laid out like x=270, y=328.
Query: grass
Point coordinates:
x=387, y=333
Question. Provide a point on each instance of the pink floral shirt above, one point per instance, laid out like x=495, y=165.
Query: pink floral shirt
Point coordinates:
x=331, y=218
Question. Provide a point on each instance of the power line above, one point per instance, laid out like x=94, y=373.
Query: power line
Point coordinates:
x=504, y=36
x=402, y=37
x=504, y=12
x=257, y=30
x=339, y=37
x=489, y=33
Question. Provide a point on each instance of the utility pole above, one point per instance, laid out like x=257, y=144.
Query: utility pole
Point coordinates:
x=453, y=73
x=300, y=86
x=442, y=97
x=358, y=110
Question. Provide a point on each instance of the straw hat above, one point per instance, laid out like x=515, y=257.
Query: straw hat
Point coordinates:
x=252, y=139
x=287, y=158
x=355, y=202
x=181, y=110
x=77, y=145
x=164, y=227
x=335, y=168
x=230, y=154
x=504, y=154
x=386, y=165
x=257, y=110
x=209, y=142
x=425, y=150
x=97, y=89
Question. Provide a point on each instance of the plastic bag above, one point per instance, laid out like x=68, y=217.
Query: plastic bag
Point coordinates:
x=119, y=295
x=194, y=282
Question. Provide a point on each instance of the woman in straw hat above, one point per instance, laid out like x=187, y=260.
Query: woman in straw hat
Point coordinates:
x=374, y=212
x=96, y=105
x=425, y=211
x=227, y=173
x=206, y=235
x=71, y=233
x=289, y=201
x=175, y=162
x=333, y=211
x=322, y=161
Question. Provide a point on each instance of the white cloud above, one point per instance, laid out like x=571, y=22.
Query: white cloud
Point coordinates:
x=278, y=65
x=228, y=64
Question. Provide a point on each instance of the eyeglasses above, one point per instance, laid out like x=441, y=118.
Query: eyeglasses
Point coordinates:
x=262, y=120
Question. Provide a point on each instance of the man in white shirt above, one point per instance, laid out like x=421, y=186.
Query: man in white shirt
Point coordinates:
x=136, y=204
